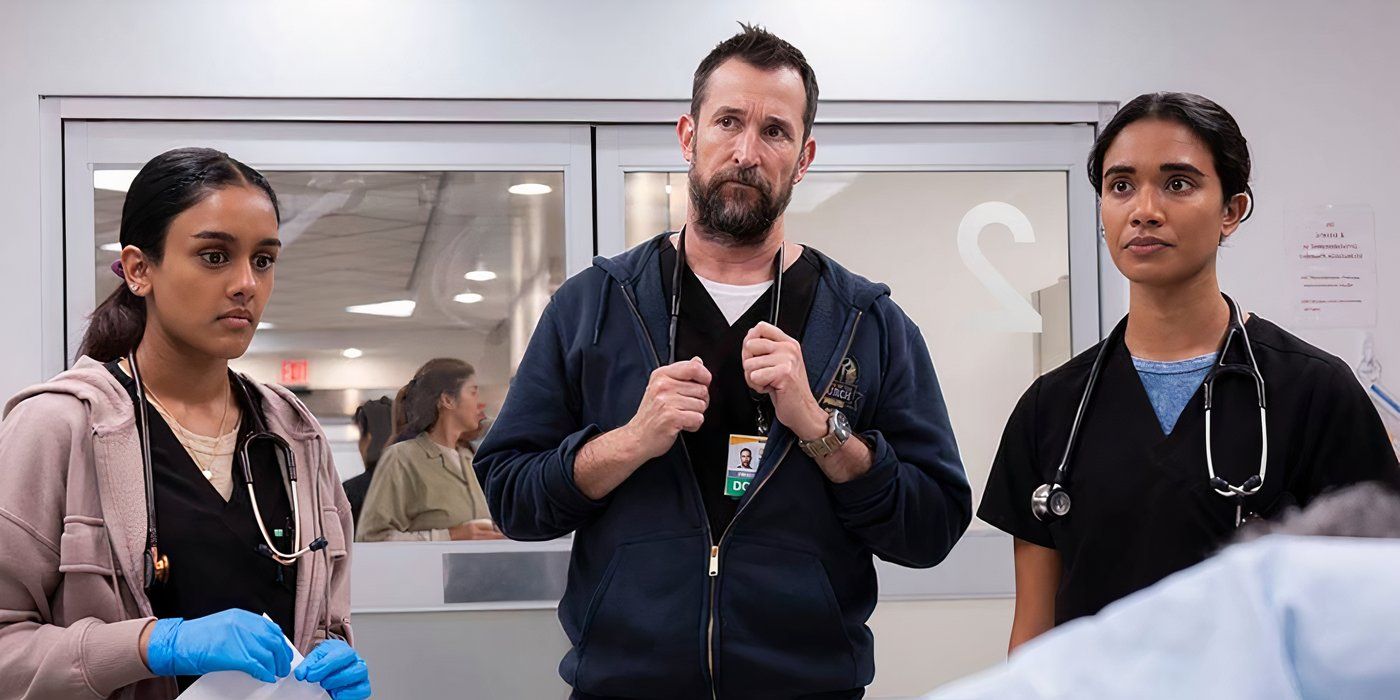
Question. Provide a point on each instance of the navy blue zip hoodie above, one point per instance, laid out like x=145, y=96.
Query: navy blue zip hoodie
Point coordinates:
x=779, y=610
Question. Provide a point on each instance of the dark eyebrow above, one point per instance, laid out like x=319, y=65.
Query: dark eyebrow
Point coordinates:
x=1120, y=170
x=229, y=238
x=728, y=111
x=1181, y=168
x=781, y=122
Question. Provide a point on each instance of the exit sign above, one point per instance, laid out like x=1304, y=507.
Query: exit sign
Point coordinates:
x=294, y=373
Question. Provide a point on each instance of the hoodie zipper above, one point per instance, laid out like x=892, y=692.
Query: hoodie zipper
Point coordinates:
x=714, y=549
x=712, y=563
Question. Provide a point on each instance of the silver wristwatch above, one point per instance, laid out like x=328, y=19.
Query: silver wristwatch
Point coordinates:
x=838, y=431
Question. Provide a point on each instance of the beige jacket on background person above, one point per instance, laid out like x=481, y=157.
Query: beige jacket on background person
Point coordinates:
x=72, y=537
x=416, y=494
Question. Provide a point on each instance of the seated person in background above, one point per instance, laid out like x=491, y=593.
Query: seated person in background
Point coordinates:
x=372, y=419
x=1279, y=617
x=400, y=421
x=424, y=488
x=470, y=441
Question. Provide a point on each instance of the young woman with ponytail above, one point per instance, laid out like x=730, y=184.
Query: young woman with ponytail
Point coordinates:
x=90, y=604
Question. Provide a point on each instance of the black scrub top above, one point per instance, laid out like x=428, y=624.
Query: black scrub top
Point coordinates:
x=1143, y=507
x=212, y=544
x=702, y=330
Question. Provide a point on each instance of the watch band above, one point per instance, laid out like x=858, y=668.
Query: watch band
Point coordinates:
x=829, y=443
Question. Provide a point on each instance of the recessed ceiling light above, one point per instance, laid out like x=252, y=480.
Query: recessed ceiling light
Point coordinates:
x=111, y=247
x=114, y=180
x=480, y=275
x=530, y=188
x=264, y=325
x=401, y=308
x=468, y=298
x=352, y=353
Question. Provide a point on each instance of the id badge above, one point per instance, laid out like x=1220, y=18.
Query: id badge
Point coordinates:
x=745, y=453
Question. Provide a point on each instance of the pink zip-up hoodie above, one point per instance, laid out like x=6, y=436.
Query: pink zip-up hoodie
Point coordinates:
x=73, y=530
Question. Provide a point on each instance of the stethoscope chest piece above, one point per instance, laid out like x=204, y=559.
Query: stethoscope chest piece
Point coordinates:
x=1050, y=502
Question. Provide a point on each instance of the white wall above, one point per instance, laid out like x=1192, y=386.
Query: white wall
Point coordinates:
x=1312, y=83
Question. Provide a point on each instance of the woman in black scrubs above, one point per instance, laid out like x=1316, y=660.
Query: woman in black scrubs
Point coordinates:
x=1172, y=173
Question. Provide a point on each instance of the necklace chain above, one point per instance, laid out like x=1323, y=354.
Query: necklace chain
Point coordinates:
x=193, y=452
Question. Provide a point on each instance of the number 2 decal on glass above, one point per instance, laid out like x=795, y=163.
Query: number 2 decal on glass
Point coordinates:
x=1016, y=315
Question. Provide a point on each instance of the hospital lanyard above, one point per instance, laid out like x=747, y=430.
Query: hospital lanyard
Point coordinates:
x=763, y=405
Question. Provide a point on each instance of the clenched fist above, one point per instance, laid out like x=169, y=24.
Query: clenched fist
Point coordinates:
x=773, y=366
x=676, y=398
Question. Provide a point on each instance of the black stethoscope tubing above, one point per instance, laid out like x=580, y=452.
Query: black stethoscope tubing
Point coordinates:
x=762, y=404
x=1051, y=501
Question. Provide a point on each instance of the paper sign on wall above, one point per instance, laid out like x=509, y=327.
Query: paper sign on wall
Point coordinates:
x=1334, y=266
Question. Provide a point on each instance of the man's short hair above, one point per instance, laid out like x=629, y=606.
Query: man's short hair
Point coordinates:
x=745, y=450
x=761, y=49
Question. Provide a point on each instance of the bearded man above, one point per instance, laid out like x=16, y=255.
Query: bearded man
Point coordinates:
x=682, y=583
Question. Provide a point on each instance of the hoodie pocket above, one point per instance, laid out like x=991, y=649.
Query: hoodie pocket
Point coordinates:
x=780, y=631
x=84, y=548
x=642, y=635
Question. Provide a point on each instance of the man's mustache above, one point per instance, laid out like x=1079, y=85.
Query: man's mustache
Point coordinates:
x=742, y=176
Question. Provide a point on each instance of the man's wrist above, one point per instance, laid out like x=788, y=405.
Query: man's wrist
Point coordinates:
x=627, y=446
x=814, y=426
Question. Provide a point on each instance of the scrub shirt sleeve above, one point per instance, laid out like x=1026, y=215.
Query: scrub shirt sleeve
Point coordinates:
x=1006, y=501
x=1348, y=442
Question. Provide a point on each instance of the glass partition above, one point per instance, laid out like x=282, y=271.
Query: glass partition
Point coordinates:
x=383, y=271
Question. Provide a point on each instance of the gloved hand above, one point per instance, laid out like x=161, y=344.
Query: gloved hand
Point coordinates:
x=232, y=640
x=339, y=670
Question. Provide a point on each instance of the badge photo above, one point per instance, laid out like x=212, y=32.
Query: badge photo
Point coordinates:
x=745, y=453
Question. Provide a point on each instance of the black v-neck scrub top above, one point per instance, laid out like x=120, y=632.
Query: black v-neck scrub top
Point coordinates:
x=212, y=544
x=1142, y=504
x=703, y=331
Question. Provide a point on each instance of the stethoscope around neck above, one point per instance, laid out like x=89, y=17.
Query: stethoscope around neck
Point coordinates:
x=1051, y=501
x=762, y=404
x=157, y=565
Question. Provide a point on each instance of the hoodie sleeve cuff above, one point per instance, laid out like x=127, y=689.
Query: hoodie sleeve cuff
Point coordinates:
x=112, y=655
x=559, y=481
x=874, y=484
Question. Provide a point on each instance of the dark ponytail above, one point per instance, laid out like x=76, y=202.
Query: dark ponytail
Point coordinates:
x=169, y=184
x=433, y=379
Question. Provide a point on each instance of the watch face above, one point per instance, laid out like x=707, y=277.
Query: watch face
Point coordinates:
x=841, y=426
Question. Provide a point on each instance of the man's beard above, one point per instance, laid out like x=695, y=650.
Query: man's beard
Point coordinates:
x=734, y=218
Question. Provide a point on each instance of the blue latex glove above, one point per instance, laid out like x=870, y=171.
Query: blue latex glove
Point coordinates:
x=233, y=640
x=339, y=670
